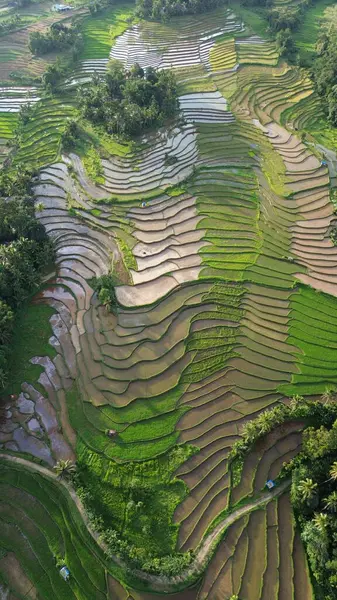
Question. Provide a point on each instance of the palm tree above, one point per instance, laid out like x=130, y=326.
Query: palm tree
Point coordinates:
x=331, y=502
x=296, y=401
x=329, y=394
x=307, y=488
x=333, y=471
x=266, y=421
x=65, y=468
x=39, y=207
x=250, y=431
x=320, y=520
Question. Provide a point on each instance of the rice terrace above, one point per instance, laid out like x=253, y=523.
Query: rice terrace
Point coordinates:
x=168, y=300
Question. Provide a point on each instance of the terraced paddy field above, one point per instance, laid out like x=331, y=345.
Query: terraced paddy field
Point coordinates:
x=16, y=60
x=217, y=229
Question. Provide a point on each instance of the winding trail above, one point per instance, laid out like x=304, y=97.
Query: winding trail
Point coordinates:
x=203, y=552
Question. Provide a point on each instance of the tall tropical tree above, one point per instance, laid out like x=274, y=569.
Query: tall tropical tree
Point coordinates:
x=65, y=469
x=321, y=520
x=329, y=394
x=307, y=489
x=296, y=401
x=331, y=502
x=333, y=471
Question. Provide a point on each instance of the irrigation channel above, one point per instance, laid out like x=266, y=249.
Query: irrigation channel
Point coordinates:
x=218, y=227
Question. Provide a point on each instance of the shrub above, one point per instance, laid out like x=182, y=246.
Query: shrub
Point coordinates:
x=58, y=38
x=70, y=134
x=105, y=288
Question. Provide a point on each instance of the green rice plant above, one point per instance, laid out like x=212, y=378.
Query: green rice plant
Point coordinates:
x=93, y=165
x=313, y=330
x=99, y=31
x=137, y=499
x=223, y=55
x=47, y=527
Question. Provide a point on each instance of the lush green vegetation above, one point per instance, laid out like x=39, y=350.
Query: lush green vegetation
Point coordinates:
x=128, y=103
x=58, y=38
x=132, y=505
x=194, y=368
x=314, y=498
x=25, y=251
x=39, y=138
x=41, y=525
x=314, y=475
x=105, y=288
x=308, y=31
x=10, y=24
x=163, y=9
x=312, y=329
x=30, y=337
x=91, y=161
x=324, y=69
x=100, y=30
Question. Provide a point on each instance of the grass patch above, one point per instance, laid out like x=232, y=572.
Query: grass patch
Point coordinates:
x=274, y=170
x=93, y=166
x=128, y=258
x=137, y=500
x=307, y=33
x=108, y=143
x=31, y=338
x=99, y=31
x=254, y=18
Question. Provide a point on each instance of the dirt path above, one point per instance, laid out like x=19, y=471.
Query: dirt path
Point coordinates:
x=203, y=552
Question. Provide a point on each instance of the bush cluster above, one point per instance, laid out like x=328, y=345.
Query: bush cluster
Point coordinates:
x=59, y=37
x=10, y=24
x=104, y=286
x=129, y=102
x=25, y=250
x=283, y=22
x=131, y=506
x=97, y=6
x=167, y=566
x=136, y=557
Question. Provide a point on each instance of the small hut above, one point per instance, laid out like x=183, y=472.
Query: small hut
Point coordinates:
x=111, y=433
x=270, y=484
x=65, y=573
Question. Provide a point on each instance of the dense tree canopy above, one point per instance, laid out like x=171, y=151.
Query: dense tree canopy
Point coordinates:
x=10, y=24
x=129, y=102
x=324, y=69
x=25, y=250
x=58, y=38
x=163, y=9
x=314, y=498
